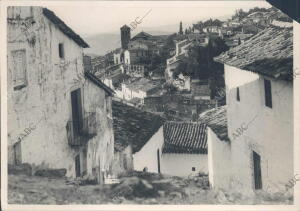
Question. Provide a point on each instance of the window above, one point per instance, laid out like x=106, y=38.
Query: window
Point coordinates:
x=77, y=115
x=193, y=169
x=238, y=94
x=19, y=68
x=61, y=50
x=268, y=93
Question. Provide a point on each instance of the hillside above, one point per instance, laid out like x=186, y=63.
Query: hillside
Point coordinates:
x=101, y=43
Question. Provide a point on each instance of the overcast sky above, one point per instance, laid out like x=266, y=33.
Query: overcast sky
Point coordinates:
x=106, y=17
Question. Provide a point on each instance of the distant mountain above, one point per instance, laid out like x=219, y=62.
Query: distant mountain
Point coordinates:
x=100, y=44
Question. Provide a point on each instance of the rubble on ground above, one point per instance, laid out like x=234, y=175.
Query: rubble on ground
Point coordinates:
x=134, y=188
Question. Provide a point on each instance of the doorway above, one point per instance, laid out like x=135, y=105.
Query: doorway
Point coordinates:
x=158, y=161
x=17, y=153
x=257, y=171
x=77, y=165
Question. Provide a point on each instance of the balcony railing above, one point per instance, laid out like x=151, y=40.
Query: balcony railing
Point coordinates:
x=79, y=132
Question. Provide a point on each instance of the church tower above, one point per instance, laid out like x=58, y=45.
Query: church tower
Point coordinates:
x=125, y=36
x=180, y=28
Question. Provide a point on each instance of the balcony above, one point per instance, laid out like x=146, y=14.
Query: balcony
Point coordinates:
x=80, y=132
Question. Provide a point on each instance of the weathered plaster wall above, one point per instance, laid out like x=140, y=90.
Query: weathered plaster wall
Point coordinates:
x=181, y=164
x=219, y=161
x=123, y=161
x=269, y=133
x=45, y=101
x=100, y=147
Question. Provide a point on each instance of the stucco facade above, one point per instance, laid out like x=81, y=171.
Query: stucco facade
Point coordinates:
x=150, y=157
x=49, y=67
x=183, y=164
x=219, y=161
x=123, y=161
x=147, y=156
x=269, y=131
x=296, y=93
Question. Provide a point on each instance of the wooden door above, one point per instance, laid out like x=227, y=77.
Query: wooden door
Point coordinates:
x=257, y=171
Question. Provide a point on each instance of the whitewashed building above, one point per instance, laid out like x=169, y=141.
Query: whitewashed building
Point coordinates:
x=133, y=128
x=177, y=148
x=218, y=146
x=260, y=110
x=58, y=116
x=173, y=62
x=139, y=88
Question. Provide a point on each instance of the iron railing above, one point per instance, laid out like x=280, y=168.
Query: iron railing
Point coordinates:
x=79, y=132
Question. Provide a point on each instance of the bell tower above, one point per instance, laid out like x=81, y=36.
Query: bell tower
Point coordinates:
x=125, y=36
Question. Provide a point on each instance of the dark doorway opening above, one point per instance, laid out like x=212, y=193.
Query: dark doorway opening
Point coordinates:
x=17, y=153
x=257, y=171
x=158, y=161
x=77, y=165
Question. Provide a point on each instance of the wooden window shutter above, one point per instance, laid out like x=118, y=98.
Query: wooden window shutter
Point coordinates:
x=19, y=67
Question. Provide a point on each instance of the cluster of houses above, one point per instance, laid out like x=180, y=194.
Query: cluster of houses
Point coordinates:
x=78, y=127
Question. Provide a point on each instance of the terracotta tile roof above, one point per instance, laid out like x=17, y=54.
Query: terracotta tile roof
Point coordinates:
x=133, y=126
x=142, y=35
x=270, y=53
x=185, y=137
x=216, y=119
x=64, y=28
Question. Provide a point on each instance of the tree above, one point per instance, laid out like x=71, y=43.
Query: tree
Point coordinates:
x=240, y=14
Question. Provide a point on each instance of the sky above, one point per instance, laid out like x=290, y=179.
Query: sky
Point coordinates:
x=92, y=17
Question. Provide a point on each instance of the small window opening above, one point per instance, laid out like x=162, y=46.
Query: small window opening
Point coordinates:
x=61, y=50
x=238, y=94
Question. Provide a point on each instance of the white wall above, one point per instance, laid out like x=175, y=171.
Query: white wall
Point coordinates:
x=180, y=164
x=297, y=100
x=127, y=57
x=129, y=94
x=270, y=133
x=170, y=164
x=219, y=161
x=147, y=156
